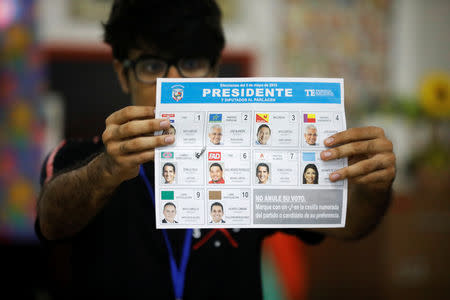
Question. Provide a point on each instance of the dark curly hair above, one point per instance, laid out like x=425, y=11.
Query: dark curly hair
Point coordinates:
x=176, y=28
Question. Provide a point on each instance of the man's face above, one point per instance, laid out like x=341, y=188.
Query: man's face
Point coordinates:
x=170, y=131
x=142, y=94
x=169, y=213
x=216, y=213
x=262, y=174
x=310, y=176
x=216, y=173
x=263, y=135
x=311, y=136
x=215, y=135
x=169, y=174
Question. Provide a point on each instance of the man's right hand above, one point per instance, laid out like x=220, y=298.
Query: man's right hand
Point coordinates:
x=71, y=199
x=130, y=141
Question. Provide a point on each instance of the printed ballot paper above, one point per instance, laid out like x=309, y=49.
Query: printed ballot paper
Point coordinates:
x=247, y=153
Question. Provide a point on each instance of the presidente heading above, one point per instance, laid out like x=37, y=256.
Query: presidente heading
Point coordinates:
x=189, y=91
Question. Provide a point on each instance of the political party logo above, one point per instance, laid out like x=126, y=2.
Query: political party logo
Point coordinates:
x=309, y=156
x=262, y=118
x=215, y=118
x=309, y=118
x=169, y=116
x=167, y=195
x=177, y=92
x=166, y=155
x=215, y=195
x=214, y=156
x=261, y=156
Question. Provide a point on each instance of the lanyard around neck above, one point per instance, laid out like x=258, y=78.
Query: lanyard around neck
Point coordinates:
x=178, y=273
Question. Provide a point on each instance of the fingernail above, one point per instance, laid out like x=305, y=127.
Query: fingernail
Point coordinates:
x=169, y=139
x=326, y=154
x=329, y=140
x=164, y=123
x=335, y=176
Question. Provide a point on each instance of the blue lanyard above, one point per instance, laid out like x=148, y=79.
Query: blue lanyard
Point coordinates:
x=178, y=274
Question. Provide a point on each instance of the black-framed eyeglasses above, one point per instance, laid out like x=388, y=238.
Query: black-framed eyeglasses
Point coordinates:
x=148, y=67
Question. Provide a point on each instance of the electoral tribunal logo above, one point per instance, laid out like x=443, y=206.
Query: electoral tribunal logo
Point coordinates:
x=177, y=92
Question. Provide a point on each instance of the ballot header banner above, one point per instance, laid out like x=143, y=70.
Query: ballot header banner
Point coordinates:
x=247, y=153
x=249, y=90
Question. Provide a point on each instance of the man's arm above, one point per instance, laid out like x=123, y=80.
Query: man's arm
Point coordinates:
x=69, y=201
x=370, y=172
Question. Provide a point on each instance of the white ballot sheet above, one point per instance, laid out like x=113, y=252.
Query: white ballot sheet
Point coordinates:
x=247, y=153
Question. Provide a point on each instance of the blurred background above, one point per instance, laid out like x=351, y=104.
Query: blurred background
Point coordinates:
x=57, y=82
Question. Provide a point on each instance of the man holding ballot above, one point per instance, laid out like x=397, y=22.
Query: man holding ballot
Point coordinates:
x=97, y=200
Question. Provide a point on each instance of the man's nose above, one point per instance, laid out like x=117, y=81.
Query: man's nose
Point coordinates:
x=173, y=72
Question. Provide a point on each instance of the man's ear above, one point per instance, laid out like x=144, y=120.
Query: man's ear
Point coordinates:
x=121, y=75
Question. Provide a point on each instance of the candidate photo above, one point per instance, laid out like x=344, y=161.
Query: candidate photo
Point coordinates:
x=215, y=134
x=217, y=213
x=216, y=174
x=262, y=173
x=263, y=134
x=311, y=135
x=168, y=173
x=310, y=174
x=169, y=212
x=170, y=131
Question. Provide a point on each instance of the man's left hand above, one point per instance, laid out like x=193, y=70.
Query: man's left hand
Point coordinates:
x=371, y=160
